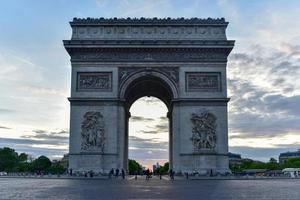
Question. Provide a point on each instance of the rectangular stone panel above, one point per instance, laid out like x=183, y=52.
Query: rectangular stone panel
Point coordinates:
x=99, y=81
x=203, y=81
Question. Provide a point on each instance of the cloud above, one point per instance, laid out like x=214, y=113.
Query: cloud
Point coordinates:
x=6, y=111
x=52, y=137
x=148, y=132
x=140, y=119
x=264, y=91
x=41, y=142
x=4, y=127
x=138, y=143
x=43, y=90
x=146, y=150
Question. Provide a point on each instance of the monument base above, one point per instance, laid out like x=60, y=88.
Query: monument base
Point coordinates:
x=202, y=164
x=101, y=163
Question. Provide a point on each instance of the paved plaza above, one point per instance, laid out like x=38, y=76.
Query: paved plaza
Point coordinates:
x=37, y=188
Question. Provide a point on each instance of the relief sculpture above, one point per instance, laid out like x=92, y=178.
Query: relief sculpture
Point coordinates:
x=199, y=81
x=204, y=130
x=92, y=132
x=100, y=81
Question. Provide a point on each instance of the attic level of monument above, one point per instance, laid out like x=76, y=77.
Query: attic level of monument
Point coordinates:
x=149, y=29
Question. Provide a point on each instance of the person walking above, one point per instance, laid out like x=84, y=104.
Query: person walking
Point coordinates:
x=111, y=173
x=147, y=174
x=117, y=173
x=123, y=173
x=135, y=175
x=171, y=174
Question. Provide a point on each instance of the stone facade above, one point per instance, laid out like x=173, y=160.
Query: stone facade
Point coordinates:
x=180, y=61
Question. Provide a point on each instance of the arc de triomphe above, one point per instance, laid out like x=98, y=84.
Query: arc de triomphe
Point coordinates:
x=180, y=61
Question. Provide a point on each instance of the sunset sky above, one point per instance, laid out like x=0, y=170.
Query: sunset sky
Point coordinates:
x=263, y=74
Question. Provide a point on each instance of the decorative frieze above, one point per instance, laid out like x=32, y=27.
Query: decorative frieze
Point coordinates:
x=93, y=132
x=94, y=81
x=203, y=130
x=145, y=32
x=203, y=81
x=139, y=55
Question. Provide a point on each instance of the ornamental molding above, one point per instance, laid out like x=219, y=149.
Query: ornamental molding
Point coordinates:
x=171, y=72
x=151, y=55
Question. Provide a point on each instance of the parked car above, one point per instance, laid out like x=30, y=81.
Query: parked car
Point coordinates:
x=3, y=173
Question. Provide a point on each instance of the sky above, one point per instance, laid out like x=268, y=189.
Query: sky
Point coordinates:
x=263, y=74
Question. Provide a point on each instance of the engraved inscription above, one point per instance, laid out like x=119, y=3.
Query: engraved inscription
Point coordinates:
x=203, y=81
x=94, y=80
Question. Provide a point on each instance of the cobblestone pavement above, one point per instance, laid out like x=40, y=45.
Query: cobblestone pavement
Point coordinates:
x=39, y=188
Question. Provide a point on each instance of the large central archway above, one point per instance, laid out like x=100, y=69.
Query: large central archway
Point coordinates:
x=148, y=83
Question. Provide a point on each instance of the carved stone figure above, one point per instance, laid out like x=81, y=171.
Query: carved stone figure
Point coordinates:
x=204, y=130
x=92, y=132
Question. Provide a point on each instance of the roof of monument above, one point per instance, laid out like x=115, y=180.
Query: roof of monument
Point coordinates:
x=149, y=21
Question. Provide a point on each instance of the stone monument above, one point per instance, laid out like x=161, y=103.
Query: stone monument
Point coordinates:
x=180, y=61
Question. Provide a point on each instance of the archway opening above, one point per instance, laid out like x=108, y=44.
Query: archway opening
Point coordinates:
x=148, y=135
x=145, y=88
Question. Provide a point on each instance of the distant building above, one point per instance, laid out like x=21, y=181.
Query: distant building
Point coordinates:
x=283, y=157
x=65, y=161
x=234, y=159
x=156, y=166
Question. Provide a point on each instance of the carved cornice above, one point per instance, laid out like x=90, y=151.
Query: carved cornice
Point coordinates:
x=151, y=21
x=149, y=55
x=148, y=43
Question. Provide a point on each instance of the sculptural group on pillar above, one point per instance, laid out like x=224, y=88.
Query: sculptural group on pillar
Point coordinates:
x=204, y=130
x=92, y=132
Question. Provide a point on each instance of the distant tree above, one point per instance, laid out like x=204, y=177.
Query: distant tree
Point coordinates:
x=23, y=157
x=272, y=164
x=57, y=168
x=42, y=163
x=8, y=159
x=134, y=167
x=164, y=169
x=291, y=163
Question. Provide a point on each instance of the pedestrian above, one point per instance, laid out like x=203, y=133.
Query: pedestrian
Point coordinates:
x=111, y=173
x=160, y=175
x=135, y=175
x=171, y=174
x=71, y=171
x=117, y=173
x=123, y=173
x=147, y=174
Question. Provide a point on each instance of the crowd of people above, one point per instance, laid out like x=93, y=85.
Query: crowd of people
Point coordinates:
x=148, y=174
